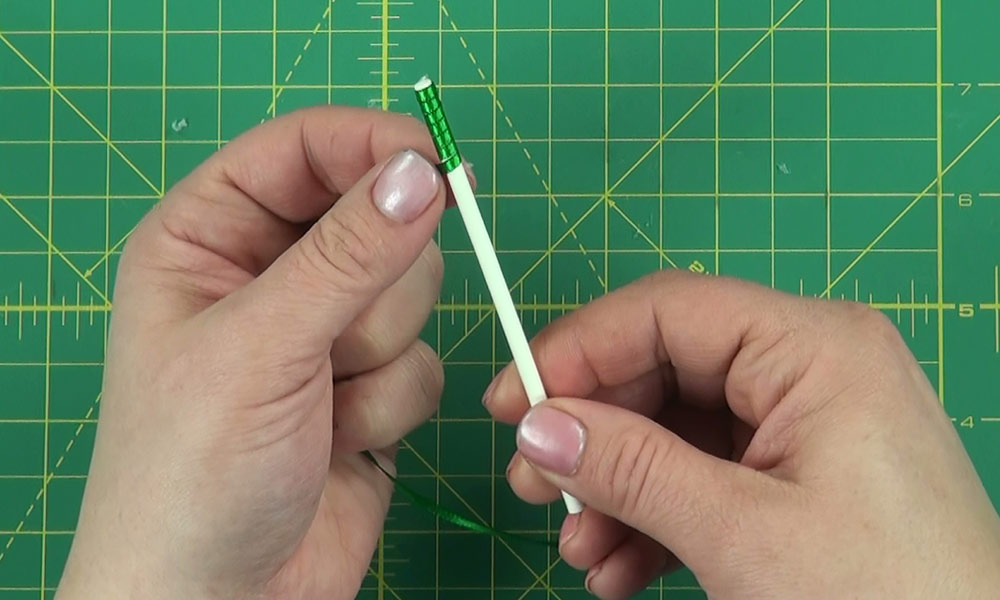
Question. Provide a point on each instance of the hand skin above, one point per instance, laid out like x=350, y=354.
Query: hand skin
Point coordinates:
x=780, y=447
x=264, y=332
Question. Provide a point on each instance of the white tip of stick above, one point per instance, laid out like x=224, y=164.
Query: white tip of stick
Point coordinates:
x=573, y=506
x=424, y=83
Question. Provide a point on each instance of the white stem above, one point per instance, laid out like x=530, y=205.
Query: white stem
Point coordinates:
x=505, y=309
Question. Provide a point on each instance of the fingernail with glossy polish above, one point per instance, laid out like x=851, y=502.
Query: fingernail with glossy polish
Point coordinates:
x=551, y=439
x=406, y=187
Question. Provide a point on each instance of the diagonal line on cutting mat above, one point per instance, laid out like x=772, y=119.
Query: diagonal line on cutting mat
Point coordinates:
x=607, y=194
x=5, y=549
x=642, y=234
x=909, y=207
x=271, y=109
x=548, y=569
x=539, y=579
x=385, y=584
x=101, y=135
x=524, y=148
x=107, y=254
x=487, y=313
x=45, y=483
x=80, y=113
x=86, y=274
x=55, y=250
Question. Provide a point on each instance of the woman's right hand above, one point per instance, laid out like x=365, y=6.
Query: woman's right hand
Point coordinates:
x=780, y=447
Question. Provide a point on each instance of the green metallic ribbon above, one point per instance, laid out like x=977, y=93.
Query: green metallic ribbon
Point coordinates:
x=453, y=517
x=444, y=140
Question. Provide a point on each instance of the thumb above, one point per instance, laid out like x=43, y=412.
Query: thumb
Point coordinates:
x=630, y=468
x=363, y=244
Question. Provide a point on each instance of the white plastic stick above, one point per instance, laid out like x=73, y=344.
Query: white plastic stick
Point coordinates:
x=497, y=285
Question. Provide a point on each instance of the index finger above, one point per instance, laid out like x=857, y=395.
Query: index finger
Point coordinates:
x=694, y=324
x=248, y=202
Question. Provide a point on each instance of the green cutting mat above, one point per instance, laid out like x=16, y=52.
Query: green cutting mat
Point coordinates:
x=846, y=152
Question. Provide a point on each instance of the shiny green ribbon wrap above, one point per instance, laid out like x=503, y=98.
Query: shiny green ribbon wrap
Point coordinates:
x=453, y=517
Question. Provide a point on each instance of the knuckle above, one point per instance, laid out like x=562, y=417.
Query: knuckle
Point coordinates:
x=634, y=473
x=861, y=316
x=349, y=248
x=428, y=371
x=666, y=278
x=866, y=356
x=765, y=369
x=879, y=324
x=859, y=319
x=756, y=384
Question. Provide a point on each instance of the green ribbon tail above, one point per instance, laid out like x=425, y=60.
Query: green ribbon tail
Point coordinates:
x=453, y=517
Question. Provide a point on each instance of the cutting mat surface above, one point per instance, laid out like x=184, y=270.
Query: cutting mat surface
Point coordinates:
x=847, y=152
